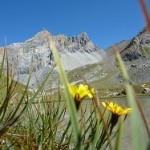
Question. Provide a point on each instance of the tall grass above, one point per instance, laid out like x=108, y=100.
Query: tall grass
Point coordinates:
x=135, y=121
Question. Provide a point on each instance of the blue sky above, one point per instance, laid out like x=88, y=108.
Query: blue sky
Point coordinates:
x=105, y=21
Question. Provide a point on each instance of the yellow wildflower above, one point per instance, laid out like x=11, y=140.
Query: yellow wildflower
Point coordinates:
x=80, y=92
x=116, y=109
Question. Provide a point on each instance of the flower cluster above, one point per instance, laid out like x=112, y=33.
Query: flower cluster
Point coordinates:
x=81, y=91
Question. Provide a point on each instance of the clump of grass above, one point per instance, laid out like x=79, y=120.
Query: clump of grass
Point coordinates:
x=15, y=100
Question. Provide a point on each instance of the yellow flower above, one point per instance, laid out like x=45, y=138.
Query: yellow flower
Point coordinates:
x=116, y=112
x=116, y=109
x=81, y=92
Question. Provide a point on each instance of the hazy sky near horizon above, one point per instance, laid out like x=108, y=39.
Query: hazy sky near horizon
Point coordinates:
x=105, y=21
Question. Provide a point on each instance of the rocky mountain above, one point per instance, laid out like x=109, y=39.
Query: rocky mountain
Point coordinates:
x=78, y=51
x=106, y=76
x=82, y=60
x=136, y=54
x=137, y=57
x=138, y=48
x=35, y=55
x=118, y=46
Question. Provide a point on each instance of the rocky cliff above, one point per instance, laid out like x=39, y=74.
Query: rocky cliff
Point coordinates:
x=136, y=54
x=138, y=48
x=35, y=55
x=77, y=51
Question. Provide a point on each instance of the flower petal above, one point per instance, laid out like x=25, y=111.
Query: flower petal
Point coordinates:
x=73, y=89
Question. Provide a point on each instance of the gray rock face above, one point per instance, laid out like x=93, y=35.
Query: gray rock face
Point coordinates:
x=138, y=47
x=131, y=56
x=77, y=51
x=34, y=55
x=136, y=54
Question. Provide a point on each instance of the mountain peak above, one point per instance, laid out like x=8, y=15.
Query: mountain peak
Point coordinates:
x=84, y=36
x=75, y=51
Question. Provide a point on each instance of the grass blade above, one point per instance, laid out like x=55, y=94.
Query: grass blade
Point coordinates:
x=118, y=139
x=63, y=77
x=135, y=121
